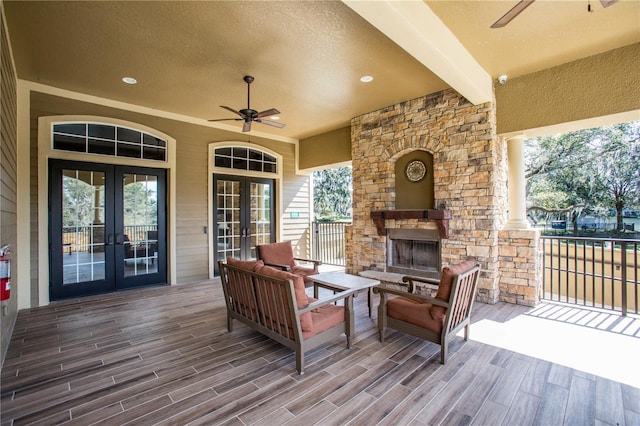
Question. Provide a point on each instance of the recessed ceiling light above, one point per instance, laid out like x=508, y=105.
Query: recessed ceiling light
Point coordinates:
x=366, y=79
x=129, y=80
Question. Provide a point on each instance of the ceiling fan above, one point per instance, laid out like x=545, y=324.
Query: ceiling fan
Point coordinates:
x=249, y=115
x=523, y=4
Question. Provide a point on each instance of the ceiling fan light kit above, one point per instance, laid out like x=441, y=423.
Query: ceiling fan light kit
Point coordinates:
x=249, y=115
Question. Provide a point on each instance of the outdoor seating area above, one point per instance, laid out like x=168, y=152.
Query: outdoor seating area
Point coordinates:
x=164, y=355
x=382, y=218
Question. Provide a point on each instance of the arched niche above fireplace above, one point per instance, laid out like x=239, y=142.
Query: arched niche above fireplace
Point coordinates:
x=414, y=181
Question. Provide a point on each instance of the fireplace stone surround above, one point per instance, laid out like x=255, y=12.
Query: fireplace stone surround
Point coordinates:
x=470, y=174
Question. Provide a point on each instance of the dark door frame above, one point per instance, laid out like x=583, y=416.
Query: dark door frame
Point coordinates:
x=245, y=216
x=115, y=278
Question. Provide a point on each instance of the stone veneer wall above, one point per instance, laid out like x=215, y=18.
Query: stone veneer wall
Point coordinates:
x=520, y=266
x=469, y=173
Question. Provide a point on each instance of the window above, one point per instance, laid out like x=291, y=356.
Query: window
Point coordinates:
x=107, y=139
x=242, y=158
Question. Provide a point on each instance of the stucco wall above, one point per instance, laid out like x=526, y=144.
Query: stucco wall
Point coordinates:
x=596, y=86
x=327, y=148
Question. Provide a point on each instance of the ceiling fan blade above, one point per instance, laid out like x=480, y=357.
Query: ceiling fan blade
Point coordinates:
x=270, y=123
x=232, y=110
x=511, y=14
x=226, y=119
x=247, y=126
x=607, y=3
x=267, y=113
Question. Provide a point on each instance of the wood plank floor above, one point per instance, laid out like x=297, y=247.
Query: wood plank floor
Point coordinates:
x=163, y=356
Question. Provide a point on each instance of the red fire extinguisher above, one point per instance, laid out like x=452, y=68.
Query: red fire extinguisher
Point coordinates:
x=5, y=273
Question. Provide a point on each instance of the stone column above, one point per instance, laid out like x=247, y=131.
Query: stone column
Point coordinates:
x=517, y=184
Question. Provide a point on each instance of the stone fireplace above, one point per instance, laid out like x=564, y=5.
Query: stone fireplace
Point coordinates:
x=469, y=197
x=413, y=252
x=469, y=178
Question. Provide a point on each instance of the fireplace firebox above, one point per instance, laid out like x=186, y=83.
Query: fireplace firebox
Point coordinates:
x=413, y=252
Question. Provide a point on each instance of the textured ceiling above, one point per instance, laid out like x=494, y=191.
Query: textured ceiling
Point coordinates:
x=307, y=56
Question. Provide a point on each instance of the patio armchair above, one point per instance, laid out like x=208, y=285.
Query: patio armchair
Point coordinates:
x=436, y=319
x=280, y=255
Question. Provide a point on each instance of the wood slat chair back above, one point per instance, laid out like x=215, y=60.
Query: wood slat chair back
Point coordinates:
x=457, y=316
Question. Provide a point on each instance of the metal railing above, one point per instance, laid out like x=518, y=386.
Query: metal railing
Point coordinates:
x=328, y=245
x=82, y=238
x=594, y=272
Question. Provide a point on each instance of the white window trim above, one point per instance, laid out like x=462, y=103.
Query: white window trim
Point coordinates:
x=46, y=151
x=238, y=172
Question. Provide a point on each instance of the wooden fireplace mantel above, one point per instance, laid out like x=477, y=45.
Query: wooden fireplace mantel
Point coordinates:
x=441, y=217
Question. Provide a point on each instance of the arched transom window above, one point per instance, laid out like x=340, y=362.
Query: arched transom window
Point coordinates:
x=243, y=158
x=108, y=139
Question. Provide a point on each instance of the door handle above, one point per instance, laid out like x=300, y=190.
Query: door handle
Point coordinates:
x=248, y=233
x=119, y=239
x=109, y=240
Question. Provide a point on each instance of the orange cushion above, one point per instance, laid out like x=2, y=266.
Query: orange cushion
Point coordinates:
x=324, y=318
x=413, y=312
x=247, y=265
x=279, y=253
x=306, y=320
x=446, y=282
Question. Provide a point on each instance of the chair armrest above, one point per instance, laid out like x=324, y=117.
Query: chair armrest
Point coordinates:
x=431, y=282
x=315, y=262
x=327, y=301
x=417, y=297
x=279, y=266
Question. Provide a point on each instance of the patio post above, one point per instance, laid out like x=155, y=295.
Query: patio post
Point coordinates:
x=517, y=185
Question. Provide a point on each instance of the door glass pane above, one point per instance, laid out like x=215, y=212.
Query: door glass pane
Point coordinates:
x=228, y=219
x=82, y=226
x=260, y=215
x=140, y=231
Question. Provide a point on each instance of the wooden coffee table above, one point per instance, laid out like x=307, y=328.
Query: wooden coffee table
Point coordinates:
x=339, y=280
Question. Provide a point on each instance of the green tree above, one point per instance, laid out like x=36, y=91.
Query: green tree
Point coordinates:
x=78, y=199
x=332, y=189
x=140, y=204
x=592, y=170
x=618, y=167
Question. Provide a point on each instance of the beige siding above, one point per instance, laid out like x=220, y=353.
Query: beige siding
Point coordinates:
x=192, y=208
x=8, y=179
x=296, y=201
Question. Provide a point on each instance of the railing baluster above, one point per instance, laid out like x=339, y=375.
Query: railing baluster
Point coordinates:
x=329, y=242
x=598, y=265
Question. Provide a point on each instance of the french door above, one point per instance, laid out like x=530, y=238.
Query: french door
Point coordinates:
x=243, y=216
x=107, y=228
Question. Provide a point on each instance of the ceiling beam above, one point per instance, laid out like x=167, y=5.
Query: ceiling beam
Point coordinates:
x=413, y=26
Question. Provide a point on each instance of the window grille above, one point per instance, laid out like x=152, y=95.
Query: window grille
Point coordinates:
x=242, y=158
x=107, y=139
